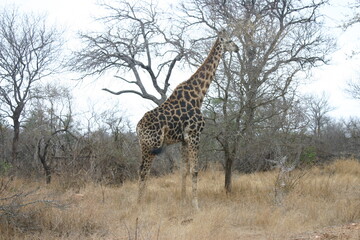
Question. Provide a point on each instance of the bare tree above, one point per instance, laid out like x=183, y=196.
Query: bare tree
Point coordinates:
x=352, y=134
x=28, y=51
x=279, y=40
x=318, y=108
x=137, y=38
x=353, y=86
x=50, y=116
x=355, y=18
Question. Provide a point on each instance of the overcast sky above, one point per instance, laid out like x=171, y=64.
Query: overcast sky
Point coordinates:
x=75, y=15
x=343, y=66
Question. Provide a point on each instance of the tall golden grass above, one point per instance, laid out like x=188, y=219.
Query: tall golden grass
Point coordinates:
x=324, y=196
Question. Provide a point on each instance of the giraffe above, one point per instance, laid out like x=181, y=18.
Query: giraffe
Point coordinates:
x=179, y=119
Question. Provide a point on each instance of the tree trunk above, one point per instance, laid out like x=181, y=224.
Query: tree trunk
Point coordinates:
x=42, y=157
x=47, y=174
x=47, y=169
x=229, y=159
x=15, y=141
x=228, y=171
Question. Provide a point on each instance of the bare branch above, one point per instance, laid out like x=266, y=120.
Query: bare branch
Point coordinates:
x=135, y=38
x=143, y=95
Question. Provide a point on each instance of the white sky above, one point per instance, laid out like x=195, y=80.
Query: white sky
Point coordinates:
x=332, y=78
x=75, y=15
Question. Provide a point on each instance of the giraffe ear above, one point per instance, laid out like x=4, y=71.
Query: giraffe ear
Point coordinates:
x=222, y=33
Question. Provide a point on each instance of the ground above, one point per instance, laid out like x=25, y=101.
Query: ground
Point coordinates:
x=322, y=202
x=348, y=231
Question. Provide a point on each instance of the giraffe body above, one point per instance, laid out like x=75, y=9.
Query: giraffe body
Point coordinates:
x=179, y=119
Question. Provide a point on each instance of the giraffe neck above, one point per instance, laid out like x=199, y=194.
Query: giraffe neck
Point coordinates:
x=202, y=78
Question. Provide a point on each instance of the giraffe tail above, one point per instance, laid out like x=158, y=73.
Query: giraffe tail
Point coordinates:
x=159, y=149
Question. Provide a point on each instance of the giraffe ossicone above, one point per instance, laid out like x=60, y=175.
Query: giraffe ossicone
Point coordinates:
x=179, y=119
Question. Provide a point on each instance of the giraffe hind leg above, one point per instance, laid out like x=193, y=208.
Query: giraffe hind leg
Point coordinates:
x=148, y=152
x=143, y=174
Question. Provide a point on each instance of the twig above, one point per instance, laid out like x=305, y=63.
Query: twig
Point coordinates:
x=128, y=231
x=17, y=203
x=136, y=228
x=158, y=233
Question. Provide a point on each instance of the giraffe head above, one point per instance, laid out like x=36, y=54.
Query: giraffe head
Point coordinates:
x=228, y=44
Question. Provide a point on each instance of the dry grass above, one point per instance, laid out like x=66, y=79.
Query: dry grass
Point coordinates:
x=325, y=196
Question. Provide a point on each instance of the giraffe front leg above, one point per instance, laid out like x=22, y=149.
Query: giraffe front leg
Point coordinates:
x=185, y=168
x=194, y=169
